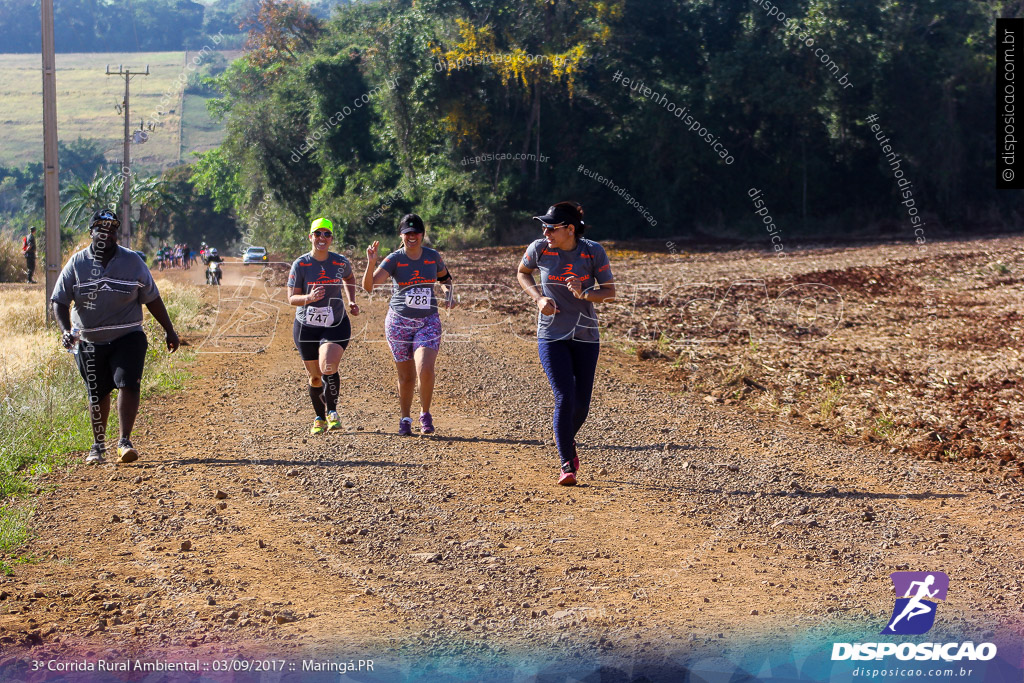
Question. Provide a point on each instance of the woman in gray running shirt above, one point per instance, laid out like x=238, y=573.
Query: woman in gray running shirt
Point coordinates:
x=413, y=326
x=574, y=275
x=322, y=285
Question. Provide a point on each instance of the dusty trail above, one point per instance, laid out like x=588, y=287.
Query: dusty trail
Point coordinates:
x=692, y=523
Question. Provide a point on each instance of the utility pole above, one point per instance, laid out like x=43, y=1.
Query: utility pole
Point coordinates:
x=126, y=165
x=51, y=189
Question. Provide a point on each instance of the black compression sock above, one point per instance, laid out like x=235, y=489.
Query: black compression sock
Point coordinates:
x=332, y=387
x=317, y=397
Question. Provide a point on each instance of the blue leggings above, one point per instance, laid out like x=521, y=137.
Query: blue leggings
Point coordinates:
x=570, y=366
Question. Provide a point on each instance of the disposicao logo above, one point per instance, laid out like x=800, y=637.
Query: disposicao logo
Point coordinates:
x=914, y=612
x=917, y=594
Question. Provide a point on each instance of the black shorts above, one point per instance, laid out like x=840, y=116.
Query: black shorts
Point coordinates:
x=308, y=338
x=117, y=364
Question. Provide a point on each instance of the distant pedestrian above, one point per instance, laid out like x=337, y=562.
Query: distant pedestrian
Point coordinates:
x=28, y=248
x=574, y=275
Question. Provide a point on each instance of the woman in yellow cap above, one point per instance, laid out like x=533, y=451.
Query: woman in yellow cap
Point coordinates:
x=322, y=286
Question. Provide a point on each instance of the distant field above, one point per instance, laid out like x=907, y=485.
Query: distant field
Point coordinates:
x=199, y=132
x=86, y=98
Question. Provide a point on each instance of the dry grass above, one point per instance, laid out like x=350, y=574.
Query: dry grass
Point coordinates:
x=12, y=262
x=26, y=342
x=40, y=387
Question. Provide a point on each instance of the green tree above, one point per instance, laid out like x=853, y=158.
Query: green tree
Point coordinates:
x=195, y=218
x=80, y=159
x=152, y=197
x=503, y=76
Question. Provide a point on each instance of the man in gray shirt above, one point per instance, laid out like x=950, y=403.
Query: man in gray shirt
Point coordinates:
x=108, y=285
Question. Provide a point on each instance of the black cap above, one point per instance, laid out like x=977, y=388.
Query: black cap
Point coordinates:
x=559, y=214
x=410, y=223
x=104, y=216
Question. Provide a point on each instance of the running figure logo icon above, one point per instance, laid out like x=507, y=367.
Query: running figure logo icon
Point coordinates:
x=917, y=592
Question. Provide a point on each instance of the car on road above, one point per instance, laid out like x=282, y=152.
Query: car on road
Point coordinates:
x=255, y=255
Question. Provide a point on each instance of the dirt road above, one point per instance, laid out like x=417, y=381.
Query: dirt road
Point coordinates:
x=695, y=525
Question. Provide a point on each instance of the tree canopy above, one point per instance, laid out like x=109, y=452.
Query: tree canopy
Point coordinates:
x=478, y=114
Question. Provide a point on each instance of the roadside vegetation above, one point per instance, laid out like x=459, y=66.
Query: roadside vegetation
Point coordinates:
x=44, y=424
x=477, y=117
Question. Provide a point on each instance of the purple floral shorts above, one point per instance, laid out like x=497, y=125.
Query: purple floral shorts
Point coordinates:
x=405, y=335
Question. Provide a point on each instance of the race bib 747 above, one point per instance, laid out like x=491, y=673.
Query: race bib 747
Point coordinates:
x=320, y=316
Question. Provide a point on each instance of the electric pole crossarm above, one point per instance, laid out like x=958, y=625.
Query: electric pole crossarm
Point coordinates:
x=126, y=164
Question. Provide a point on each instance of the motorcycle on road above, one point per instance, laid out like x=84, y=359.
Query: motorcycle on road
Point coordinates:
x=213, y=273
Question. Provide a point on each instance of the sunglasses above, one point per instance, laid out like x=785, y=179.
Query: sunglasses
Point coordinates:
x=105, y=225
x=322, y=233
x=548, y=227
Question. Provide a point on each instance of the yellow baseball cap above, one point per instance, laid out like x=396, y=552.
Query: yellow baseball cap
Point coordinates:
x=321, y=224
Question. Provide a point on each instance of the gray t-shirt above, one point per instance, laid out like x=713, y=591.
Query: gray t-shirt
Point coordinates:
x=576, y=318
x=307, y=273
x=412, y=291
x=107, y=301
